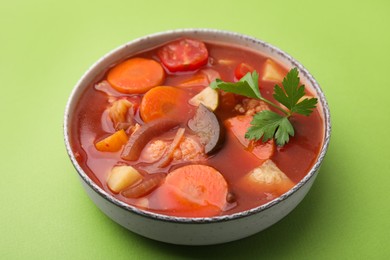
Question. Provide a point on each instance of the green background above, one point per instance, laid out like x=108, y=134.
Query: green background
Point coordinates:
x=45, y=47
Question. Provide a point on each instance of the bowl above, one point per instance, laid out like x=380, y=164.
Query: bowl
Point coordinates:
x=205, y=230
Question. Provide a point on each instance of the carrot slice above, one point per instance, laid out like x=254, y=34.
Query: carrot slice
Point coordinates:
x=238, y=126
x=163, y=102
x=136, y=76
x=112, y=143
x=195, y=190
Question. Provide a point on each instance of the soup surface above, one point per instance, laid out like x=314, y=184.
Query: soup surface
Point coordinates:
x=153, y=134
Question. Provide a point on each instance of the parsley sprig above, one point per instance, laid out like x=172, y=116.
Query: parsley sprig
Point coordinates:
x=268, y=124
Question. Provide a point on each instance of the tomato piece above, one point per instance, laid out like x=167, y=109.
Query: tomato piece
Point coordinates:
x=183, y=55
x=242, y=69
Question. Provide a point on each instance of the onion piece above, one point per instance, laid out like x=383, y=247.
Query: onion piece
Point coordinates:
x=121, y=113
x=105, y=87
x=167, y=158
x=145, y=187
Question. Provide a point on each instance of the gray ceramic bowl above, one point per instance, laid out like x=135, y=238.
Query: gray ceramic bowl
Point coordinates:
x=196, y=231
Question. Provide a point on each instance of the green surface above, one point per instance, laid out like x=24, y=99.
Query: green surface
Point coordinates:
x=47, y=45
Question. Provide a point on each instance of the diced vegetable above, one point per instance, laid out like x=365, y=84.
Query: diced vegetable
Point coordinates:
x=122, y=177
x=198, y=190
x=183, y=55
x=136, y=75
x=121, y=113
x=143, y=135
x=206, y=126
x=163, y=102
x=238, y=126
x=146, y=186
x=267, y=178
x=208, y=97
x=112, y=143
x=242, y=69
x=202, y=78
x=272, y=71
x=199, y=79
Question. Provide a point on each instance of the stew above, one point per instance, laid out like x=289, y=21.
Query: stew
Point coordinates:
x=153, y=134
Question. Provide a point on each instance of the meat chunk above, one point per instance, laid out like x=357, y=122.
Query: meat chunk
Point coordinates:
x=250, y=106
x=187, y=150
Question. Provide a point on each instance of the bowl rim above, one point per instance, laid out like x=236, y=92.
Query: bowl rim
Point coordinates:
x=192, y=220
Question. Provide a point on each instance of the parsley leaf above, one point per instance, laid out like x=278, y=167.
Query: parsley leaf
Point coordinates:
x=247, y=86
x=292, y=92
x=268, y=124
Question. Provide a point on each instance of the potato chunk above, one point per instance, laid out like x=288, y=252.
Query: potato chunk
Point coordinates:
x=267, y=178
x=208, y=97
x=122, y=177
x=112, y=143
x=272, y=71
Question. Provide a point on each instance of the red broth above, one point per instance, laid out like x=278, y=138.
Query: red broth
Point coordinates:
x=91, y=123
